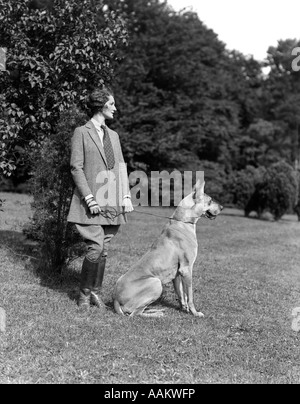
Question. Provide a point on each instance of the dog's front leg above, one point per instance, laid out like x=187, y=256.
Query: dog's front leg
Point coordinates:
x=178, y=286
x=187, y=283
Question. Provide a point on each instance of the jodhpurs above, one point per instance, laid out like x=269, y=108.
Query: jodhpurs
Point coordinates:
x=97, y=239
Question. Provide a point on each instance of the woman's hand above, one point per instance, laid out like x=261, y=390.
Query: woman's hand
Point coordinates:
x=127, y=205
x=93, y=206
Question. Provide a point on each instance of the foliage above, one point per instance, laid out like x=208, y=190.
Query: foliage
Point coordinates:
x=297, y=210
x=54, y=55
x=263, y=143
x=261, y=189
x=216, y=180
x=297, y=204
x=185, y=102
x=281, y=97
x=242, y=185
x=52, y=189
x=181, y=94
x=276, y=192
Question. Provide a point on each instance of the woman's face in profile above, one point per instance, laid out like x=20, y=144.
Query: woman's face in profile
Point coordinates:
x=109, y=108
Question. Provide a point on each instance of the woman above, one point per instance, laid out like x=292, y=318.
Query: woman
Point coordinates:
x=101, y=197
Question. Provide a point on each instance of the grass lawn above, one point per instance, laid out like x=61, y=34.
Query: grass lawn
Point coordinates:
x=246, y=281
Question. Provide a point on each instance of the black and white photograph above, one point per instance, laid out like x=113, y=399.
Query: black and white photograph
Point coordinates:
x=149, y=194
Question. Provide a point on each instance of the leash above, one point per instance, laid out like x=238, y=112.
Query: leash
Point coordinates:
x=152, y=214
x=112, y=214
x=163, y=217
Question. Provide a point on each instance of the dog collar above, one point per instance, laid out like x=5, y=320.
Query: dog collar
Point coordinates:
x=179, y=216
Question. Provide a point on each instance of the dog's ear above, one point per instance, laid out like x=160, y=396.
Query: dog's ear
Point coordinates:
x=198, y=191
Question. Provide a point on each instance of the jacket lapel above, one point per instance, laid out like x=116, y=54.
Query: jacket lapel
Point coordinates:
x=95, y=137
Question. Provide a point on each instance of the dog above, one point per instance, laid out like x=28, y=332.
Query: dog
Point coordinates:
x=171, y=258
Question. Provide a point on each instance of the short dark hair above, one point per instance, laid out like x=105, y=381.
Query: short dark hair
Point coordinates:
x=97, y=99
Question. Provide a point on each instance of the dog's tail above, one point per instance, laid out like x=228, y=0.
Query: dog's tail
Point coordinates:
x=118, y=308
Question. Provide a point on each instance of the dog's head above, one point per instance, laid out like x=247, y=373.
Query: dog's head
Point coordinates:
x=211, y=208
x=198, y=204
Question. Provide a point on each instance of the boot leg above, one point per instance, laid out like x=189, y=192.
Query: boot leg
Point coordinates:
x=84, y=299
x=95, y=293
x=88, y=273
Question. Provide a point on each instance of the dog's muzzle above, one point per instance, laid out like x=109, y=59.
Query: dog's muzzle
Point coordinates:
x=210, y=215
x=213, y=215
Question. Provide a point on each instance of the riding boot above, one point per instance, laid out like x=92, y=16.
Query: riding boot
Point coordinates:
x=88, y=275
x=96, y=299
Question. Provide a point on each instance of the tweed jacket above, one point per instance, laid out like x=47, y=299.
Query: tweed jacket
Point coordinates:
x=91, y=176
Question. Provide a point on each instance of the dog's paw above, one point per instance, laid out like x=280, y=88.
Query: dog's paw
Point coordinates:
x=184, y=308
x=296, y=319
x=199, y=314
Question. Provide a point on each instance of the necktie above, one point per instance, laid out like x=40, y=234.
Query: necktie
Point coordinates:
x=108, y=150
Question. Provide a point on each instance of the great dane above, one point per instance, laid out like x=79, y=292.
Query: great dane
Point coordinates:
x=171, y=258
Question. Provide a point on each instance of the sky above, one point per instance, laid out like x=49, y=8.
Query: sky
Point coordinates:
x=248, y=26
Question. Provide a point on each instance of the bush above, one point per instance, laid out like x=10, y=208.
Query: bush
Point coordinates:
x=52, y=189
x=7, y=185
x=216, y=180
x=56, y=54
x=242, y=185
x=276, y=193
x=297, y=204
x=297, y=210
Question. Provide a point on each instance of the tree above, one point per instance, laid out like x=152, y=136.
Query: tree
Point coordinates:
x=297, y=204
x=52, y=189
x=276, y=192
x=54, y=55
x=177, y=89
x=242, y=186
x=282, y=96
x=262, y=144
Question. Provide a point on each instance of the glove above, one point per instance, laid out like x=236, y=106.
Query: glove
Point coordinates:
x=127, y=204
x=93, y=206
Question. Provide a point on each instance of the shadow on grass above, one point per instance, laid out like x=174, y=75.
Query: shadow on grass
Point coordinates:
x=29, y=252
x=164, y=302
x=18, y=244
x=65, y=282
